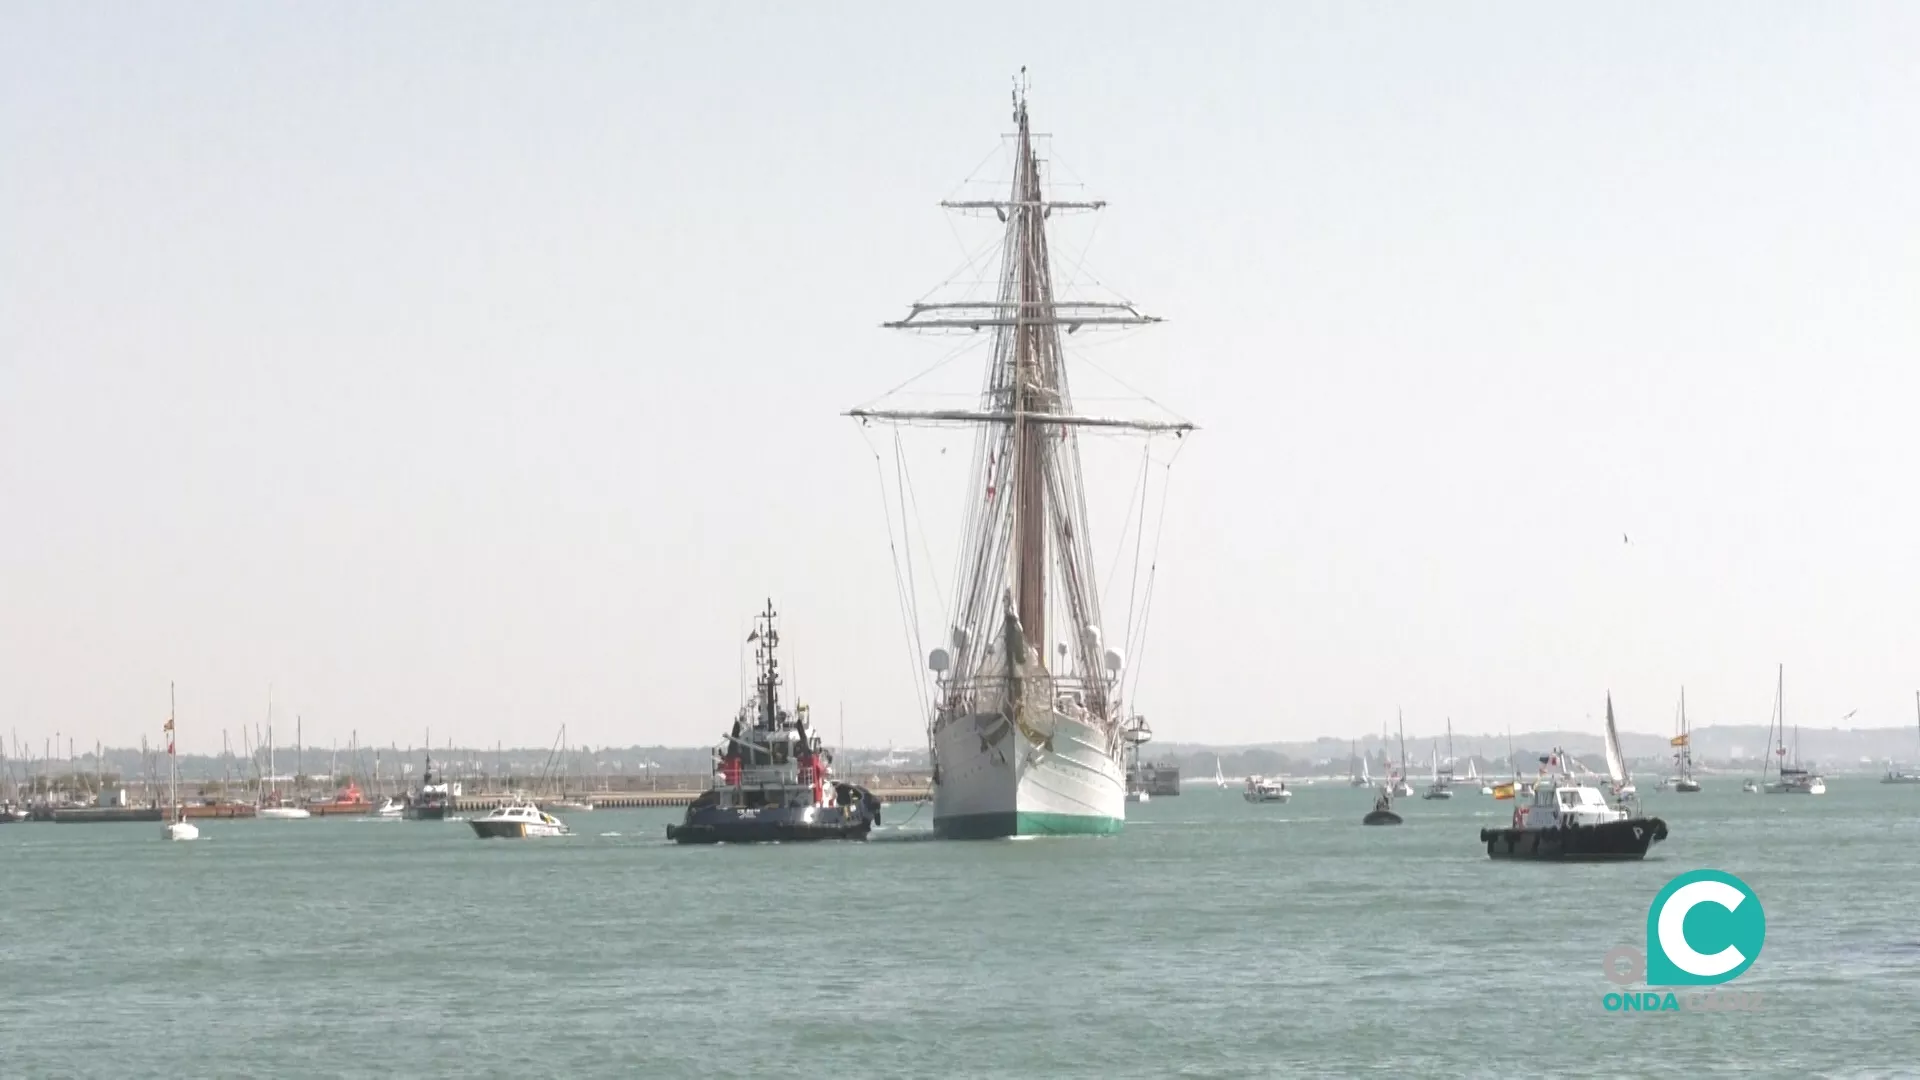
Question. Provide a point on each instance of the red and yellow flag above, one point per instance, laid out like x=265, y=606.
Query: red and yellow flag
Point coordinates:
x=1677, y=740
x=1503, y=791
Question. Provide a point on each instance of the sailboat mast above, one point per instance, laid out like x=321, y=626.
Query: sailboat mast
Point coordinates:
x=1029, y=439
x=173, y=765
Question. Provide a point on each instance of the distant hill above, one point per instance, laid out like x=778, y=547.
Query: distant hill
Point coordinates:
x=1737, y=747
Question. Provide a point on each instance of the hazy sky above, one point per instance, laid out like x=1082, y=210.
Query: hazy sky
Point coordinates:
x=479, y=366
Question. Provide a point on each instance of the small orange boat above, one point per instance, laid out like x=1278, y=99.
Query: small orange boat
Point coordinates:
x=347, y=800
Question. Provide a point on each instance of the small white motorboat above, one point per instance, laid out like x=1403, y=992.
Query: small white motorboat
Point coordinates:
x=389, y=807
x=1260, y=789
x=1137, y=795
x=283, y=813
x=518, y=820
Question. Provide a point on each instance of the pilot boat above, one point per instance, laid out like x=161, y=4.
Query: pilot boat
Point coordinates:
x=1261, y=789
x=771, y=775
x=516, y=821
x=1569, y=820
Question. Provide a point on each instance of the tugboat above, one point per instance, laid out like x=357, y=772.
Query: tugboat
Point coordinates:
x=1382, y=812
x=1568, y=820
x=430, y=801
x=771, y=774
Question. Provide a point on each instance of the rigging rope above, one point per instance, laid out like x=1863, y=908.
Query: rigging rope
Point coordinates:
x=919, y=691
x=1159, y=533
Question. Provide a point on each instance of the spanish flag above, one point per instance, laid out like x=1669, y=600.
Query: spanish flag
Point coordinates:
x=1677, y=740
x=169, y=724
x=1503, y=791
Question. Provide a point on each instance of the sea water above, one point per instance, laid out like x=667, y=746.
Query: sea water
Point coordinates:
x=1211, y=938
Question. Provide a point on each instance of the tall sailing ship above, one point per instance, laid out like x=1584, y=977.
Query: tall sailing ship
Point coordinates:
x=1028, y=732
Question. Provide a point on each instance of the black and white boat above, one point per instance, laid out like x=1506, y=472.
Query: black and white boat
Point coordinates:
x=1382, y=812
x=1570, y=820
x=431, y=800
x=772, y=780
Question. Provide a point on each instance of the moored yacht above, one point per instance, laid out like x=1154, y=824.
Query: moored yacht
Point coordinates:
x=273, y=805
x=1260, y=789
x=1682, y=780
x=389, y=807
x=274, y=808
x=1900, y=776
x=1441, y=786
x=517, y=820
x=1397, y=785
x=178, y=827
x=1788, y=779
x=771, y=777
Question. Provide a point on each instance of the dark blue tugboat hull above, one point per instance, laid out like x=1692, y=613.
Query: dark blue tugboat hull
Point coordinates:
x=716, y=825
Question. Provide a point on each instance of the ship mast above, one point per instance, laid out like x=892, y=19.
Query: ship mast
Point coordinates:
x=1030, y=386
x=1026, y=520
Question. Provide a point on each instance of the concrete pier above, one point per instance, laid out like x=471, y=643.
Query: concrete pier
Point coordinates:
x=624, y=800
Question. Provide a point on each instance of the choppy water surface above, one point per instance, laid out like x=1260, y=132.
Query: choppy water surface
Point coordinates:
x=1212, y=938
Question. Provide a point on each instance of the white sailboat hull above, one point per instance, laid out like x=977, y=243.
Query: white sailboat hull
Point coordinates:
x=181, y=830
x=283, y=813
x=1011, y=787
x=1814, y=787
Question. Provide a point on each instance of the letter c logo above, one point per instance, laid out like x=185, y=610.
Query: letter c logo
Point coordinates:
x=1728, y=928
x=1673, y=934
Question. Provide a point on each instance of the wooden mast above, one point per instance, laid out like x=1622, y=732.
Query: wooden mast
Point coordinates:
x=1029, y=438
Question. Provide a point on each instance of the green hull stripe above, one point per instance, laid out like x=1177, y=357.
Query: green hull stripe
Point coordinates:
x=1022, y=823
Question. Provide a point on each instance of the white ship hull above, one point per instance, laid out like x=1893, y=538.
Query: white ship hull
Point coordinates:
x=1011, y=787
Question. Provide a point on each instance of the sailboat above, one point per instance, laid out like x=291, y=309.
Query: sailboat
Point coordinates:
x=1620, y=779
x=1898, y=776
x=1360, y=777
x=1788, y=779
x=1027, y=731
x=1474, y=777
x=557, y=766
x=1397, y=785
x=272, y=806
x=1682, y=779
x=178, y=827
x=1441, y=786
x=1219, y=778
